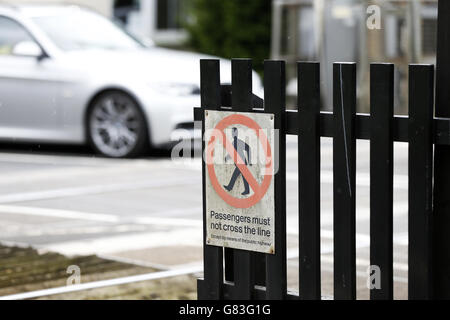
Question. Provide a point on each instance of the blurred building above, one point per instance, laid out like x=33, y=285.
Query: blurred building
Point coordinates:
x=337, y=30
x=159, y=20
x=102, y=6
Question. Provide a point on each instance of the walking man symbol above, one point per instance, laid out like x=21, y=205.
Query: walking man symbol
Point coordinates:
x=243, y=150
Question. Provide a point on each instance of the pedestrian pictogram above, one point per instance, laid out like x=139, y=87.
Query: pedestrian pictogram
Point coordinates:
x=239, y=159
x=244, y=151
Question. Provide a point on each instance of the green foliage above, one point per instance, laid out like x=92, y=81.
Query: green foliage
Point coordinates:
x=231, y=28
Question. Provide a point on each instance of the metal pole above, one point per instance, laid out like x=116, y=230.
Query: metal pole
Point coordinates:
x=441, y=243
x=415, y=37
x=276, y=29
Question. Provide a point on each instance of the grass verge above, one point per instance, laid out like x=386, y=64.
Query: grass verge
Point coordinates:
x=26, y=269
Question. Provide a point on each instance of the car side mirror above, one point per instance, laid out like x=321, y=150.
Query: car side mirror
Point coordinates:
x=28, y=49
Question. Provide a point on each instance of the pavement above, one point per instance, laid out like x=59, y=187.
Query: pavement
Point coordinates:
x=148, y=211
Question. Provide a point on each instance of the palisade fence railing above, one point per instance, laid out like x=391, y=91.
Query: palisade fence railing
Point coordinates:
x=237, y=274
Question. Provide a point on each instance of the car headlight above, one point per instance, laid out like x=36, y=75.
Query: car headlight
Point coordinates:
x=176, y=89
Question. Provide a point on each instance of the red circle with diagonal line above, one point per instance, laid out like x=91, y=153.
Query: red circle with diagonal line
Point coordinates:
x=259, y=190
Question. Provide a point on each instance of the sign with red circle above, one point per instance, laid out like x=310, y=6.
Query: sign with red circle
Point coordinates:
x=240, y=191
x=259, y=190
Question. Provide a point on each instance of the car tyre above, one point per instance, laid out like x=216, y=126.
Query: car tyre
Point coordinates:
x=116, y=126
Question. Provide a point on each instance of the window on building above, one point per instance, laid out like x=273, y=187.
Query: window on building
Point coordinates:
x=396, y=36
x=170, y=14
x=122, y=9
x=429, y=29
x=429, y=36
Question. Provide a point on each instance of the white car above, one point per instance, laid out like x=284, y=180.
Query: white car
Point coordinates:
x=69, y=75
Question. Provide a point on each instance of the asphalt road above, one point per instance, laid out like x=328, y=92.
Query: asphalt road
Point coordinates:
x=148, y=210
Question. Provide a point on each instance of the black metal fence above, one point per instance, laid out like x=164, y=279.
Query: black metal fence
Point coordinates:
x=236, y=274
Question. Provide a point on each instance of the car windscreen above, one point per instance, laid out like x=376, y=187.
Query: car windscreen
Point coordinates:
x=83, y=30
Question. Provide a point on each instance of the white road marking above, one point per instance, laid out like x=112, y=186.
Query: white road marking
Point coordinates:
x=173, y=222
x=141, y=263
x=108, y=245
x=328, y=249
x=197, y=211
x=104, y=283
x=401, y=239
x=189, y=164
x=362, y=180
x=97, y=217
x=158, y=220
x=55, y=213
x=362, y=240
x=162, y=219
x=81, y=232
x=95, y=189
x=400, y=210
x=59, y=173
x=33, y=158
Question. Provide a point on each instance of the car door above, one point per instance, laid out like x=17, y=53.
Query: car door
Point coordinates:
x=28, y=87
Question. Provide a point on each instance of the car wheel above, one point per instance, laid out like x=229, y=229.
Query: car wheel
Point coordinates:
x=116, y=126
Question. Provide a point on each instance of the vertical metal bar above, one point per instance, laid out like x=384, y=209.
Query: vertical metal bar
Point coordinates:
x=229, y=264
x=421, y=97
x=259, y=263
x=344, y=159
x=242, y=98
x=382, y=178
x=212, y=256
x=244, y=274
x=441, y=238
x=243, y=102
x=275, y=102
x=309, y=180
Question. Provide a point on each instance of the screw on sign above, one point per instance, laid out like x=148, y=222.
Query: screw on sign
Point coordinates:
x=240, y=216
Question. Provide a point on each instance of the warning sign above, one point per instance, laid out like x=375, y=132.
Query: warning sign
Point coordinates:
x=240, y=166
